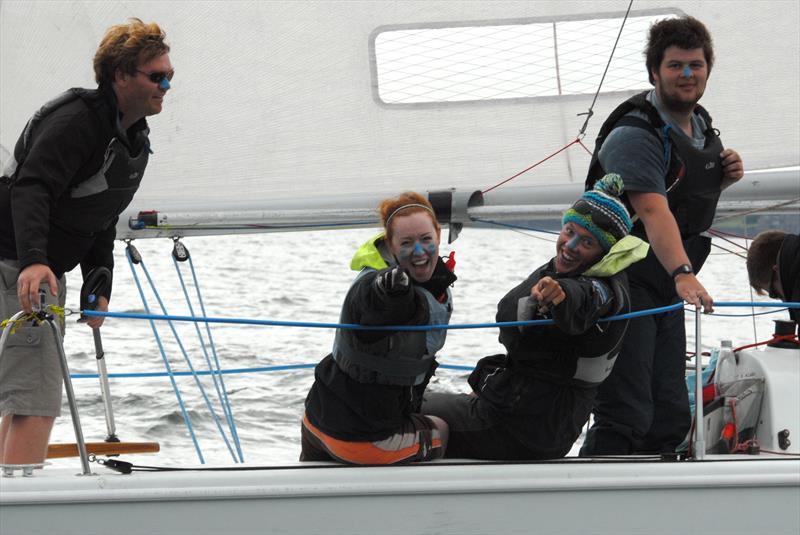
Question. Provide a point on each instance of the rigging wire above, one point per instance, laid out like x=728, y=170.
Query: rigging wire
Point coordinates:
x=719, y=232
x=728, y=251
x=589, y=152
x=757, y=210
x=590, y=112
x=232, y=423
x=519, y=228
x=750, y=287
x=188, y=361
x=129, y=255
x=716, y=234
x=186, y=358
x=219, y=382
x=562, y=149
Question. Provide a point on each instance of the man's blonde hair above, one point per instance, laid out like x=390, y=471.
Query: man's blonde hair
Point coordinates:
x=124, y=46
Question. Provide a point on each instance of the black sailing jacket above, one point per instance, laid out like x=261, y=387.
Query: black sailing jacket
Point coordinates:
x=74, y=171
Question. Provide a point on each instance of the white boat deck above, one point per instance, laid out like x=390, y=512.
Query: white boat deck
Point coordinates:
x=722, y=494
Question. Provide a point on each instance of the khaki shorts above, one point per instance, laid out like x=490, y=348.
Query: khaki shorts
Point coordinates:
x=30, y=367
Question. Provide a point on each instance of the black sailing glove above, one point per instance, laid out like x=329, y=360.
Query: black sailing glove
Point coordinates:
x=393, y=281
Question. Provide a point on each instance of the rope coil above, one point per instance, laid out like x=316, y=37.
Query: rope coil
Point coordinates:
x=36, y=318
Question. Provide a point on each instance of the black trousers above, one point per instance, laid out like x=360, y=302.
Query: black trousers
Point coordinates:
x=643, y=406
x=479, y=431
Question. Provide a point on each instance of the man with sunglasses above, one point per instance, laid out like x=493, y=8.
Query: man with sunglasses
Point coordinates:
x=773, y=267
x=75, y=168
x=674, y=167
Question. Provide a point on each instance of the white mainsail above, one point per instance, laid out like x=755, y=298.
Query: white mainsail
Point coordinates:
x=276, y=108
x=278, y=105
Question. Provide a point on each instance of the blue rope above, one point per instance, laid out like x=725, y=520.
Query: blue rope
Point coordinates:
x=223, y=372
x=216, y=378
x=286, y=367
x=175, y=388
x=232, y=371
x=186, y=358
x=355, y=326
x=770, y=304
x=229, y=413
x=751, y=314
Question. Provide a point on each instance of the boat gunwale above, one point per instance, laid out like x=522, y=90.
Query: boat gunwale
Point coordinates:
x=62, y=485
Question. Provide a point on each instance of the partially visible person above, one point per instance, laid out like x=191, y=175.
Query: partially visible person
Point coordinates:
x=672, y=160
x=364, y=405
x=75, y=168
x=773, y=267
x=532, y=402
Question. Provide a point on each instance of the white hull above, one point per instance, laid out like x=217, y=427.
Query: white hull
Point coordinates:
x=725, y=495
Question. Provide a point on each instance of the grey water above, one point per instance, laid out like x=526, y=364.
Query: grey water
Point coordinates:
x=296, y=277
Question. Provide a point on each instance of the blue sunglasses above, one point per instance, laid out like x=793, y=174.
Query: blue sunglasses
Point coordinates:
x=158, y=77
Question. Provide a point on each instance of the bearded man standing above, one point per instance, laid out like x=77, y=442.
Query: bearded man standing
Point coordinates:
x=674, y=168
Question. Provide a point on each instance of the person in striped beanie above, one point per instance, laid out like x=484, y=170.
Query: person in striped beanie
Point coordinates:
x=532, y=401
x=595, y=223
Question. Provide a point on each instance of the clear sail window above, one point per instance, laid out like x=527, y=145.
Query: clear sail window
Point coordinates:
x=532, y=59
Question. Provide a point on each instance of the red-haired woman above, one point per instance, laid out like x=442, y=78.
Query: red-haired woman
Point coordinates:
x=364, y=405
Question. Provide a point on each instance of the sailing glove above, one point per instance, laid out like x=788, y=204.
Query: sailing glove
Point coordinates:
x=393, y=281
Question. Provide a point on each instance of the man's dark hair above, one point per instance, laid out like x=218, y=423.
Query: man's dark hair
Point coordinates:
x=684, y=32
x=762, y=256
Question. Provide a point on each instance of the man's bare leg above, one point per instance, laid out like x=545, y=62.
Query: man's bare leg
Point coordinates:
x=5, y=423
x=24, y=439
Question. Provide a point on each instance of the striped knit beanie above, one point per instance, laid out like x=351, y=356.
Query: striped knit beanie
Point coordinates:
x=601, y=212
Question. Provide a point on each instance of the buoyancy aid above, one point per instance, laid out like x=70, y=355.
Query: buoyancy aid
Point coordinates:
x=94, y=99
x=403, y=358
x=366, y=393
x=552, y=352
x=101, y=189
x=24, y=142
x=694, y=176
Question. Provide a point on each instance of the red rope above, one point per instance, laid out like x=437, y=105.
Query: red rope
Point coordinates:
x=721, y=236
x=779, y=338
x=756, y=210
x=740, y=255
x=723, y=233
x=562, y=149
